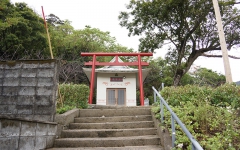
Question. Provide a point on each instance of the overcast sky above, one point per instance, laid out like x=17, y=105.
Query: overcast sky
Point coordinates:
x=103, y=14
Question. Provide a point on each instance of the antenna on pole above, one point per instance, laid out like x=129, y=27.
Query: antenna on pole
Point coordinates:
x=227, y=68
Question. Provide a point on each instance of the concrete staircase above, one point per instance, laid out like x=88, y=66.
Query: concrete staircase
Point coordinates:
x=106, y=127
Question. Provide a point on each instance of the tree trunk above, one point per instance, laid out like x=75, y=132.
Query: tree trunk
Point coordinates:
x=178, y=76
x=180, y=72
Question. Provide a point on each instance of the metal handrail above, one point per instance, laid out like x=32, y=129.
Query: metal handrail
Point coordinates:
x=195, y=144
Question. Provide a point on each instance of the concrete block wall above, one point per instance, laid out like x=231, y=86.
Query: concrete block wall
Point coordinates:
x=26, y=135
x=28, y=89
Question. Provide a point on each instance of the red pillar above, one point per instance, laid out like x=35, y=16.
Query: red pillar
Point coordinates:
x=92, y=80
x=140, y=81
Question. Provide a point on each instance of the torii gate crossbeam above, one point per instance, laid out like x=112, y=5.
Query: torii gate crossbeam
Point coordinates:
x=138, y=63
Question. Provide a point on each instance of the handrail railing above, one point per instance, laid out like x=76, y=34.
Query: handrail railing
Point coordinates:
x=195, y=144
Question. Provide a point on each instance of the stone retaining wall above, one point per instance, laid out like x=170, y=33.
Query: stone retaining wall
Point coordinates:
x=28, y=89
x=26, y=135
x=28, y=93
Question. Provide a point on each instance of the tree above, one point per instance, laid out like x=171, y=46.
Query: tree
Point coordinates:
x=68, y=43
x=189, y=25
x=54, y=20
x=207, y=77
x=160, y=72
x=22, y=33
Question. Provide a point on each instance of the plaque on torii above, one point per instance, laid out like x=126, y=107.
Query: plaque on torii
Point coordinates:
x=138, y=63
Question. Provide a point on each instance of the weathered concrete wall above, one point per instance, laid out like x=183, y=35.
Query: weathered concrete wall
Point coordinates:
x=63, y=120
x=26, y=135
x=28, y=93
x=163, y=133
x=28, y=89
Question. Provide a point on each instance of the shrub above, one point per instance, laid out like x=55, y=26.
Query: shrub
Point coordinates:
x=226, y=95
x=208, y=113
x=72, y=96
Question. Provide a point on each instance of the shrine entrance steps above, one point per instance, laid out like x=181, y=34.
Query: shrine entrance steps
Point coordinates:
x=108, y=127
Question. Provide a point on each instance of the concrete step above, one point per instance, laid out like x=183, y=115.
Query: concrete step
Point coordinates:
x=94, y=106
x=125, y=111
x=112, y=125
x=113, y=119
x=149, y=147
x=108, y=127
x=108, y=141
x=83, y=133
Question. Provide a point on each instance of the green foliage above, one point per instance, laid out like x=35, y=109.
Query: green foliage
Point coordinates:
x=214, y=125
x=22, y=33
x=160, y=73
x=72, y=96
x=138, y=97
x=226, y=95
x=188, y=79
x=64, y=109
x=206, y=77
x=23, y=36
x=189, y=25
x=69, y=43
x=203, y=77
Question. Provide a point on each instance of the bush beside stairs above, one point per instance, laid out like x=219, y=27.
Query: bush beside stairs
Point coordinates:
x=105, y=127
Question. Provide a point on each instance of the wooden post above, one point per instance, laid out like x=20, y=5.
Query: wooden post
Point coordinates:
x=140, y=81
x=92, y=80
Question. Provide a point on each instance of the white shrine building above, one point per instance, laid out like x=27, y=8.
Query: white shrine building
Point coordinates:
x=116, y=85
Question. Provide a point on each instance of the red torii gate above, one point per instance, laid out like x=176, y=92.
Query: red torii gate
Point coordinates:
x=138, y=63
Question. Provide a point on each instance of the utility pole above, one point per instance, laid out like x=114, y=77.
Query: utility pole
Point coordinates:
x=227, y=68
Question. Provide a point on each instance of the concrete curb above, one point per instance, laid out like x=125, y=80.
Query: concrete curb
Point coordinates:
x=63, y=120
x=164, y=135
